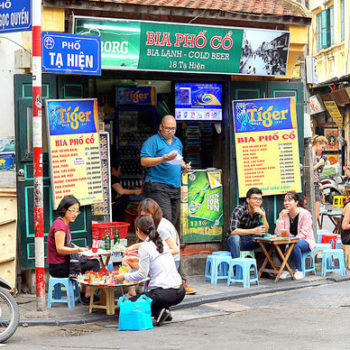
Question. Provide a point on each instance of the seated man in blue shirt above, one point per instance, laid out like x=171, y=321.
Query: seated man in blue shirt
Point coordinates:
x=247, y=221
x=161, y=154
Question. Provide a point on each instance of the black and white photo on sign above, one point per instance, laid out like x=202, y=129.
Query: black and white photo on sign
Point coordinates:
x=264, y=52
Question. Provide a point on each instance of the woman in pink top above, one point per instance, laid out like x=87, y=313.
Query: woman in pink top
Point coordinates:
x=298, y=223
x=58, y=243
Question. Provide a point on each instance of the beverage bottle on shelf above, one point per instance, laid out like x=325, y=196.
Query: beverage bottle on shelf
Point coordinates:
x=107, y=242
x=116, y=237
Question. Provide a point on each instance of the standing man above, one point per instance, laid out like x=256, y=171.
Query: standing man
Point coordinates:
x=161, y=154
x=247, y=221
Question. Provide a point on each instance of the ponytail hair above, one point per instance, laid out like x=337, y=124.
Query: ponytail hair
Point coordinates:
x=146, y=225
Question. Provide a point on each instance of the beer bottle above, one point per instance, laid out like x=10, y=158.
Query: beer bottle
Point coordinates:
x=198, y=199
x=107, y=242
x=116, y=237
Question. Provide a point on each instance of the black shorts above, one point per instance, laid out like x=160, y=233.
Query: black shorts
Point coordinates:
x=62, y=270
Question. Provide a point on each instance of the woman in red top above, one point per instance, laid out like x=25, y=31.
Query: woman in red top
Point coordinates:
x=58, y=243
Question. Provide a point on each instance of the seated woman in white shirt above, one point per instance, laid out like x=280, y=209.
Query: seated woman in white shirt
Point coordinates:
x=156, y=262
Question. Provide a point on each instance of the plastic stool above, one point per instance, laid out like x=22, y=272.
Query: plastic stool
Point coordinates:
x=311, y=266
x=216, y=268
x=247, y=253
x=320, y=247
x=222, y=253
x=330, y=238
x=338, y=244
x=338, y=201
x=328, y=261
x=55, y=286
x=242, y=272
x=320, y=233
x=223, y=266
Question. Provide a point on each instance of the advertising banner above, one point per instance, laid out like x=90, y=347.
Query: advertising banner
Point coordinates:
x=177, y=47
x=267, y=152
x=201, y=208
x=205, y=199
x=74, y=150
x=15, y=16
x=136, y=95
x=333, y=111
x=331, y=135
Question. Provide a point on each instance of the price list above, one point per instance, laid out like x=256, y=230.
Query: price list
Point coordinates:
x=104, y=208
x=286, y=163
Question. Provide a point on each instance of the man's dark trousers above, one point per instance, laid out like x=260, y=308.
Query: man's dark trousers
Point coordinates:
x=167, y=197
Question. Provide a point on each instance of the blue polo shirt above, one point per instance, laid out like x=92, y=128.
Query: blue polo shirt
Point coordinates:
x=157, y=146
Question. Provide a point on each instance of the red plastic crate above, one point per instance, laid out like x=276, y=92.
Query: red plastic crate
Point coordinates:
x=99, y=230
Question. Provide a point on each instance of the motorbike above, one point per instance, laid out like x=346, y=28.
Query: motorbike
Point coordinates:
x=332, y=186
x=9, y=313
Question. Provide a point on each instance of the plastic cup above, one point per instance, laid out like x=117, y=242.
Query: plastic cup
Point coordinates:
x=283, y=232
x=94, y=246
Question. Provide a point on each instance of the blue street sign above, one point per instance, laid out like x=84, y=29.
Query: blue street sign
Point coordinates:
x=71, y=53
x=15, y=15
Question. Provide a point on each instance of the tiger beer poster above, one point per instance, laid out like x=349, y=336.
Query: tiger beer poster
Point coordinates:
x=267, y=151
x=74, y=150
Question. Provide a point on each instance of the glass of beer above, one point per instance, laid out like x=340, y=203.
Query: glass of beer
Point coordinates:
x=283, y=232
x=94, y=246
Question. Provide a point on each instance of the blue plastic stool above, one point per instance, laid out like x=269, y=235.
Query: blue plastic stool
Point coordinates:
x=320, y=247
x=320, y=233
x=338, y=244
x=221, y=253
x=216, y=268
x=311, y=266
x=328, y=261
x=242, y=272
x=55, y=286
x=247, y=254
x=223, y=266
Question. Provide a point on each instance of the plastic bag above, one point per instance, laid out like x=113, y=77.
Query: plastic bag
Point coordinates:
x=135, y=315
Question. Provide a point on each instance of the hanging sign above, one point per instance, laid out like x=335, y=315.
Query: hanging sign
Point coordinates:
x=74, y=150
x=267, y=151
x=15, y=15
x=333, y=111
x=71, y=54
x=160, y=46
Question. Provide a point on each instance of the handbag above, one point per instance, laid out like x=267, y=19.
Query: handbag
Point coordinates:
x=135, y=315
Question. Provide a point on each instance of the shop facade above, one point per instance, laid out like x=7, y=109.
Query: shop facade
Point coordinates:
x=133, y=96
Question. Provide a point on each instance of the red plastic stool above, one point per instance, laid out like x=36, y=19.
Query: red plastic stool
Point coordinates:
x=329, y=238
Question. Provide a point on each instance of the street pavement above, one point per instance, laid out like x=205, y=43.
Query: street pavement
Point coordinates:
x=307, y=318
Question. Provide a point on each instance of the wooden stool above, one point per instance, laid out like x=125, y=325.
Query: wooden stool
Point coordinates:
x=346, y=249
x=107, y=301
x=338, y=201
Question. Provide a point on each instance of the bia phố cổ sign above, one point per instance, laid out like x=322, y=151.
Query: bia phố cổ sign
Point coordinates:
x=74, y=150
x=267, y=151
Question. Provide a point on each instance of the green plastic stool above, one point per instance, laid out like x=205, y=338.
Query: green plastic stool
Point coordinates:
x=247, y=253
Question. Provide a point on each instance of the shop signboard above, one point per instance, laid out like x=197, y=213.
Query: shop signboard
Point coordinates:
x=160, y=46
x=331, y=134
x=74, y=150
x=15, y=16
x=201, y=208
x=316, y=105
x=333, y=110
x=70, y=54
x=136, y=96
x=266, y=141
